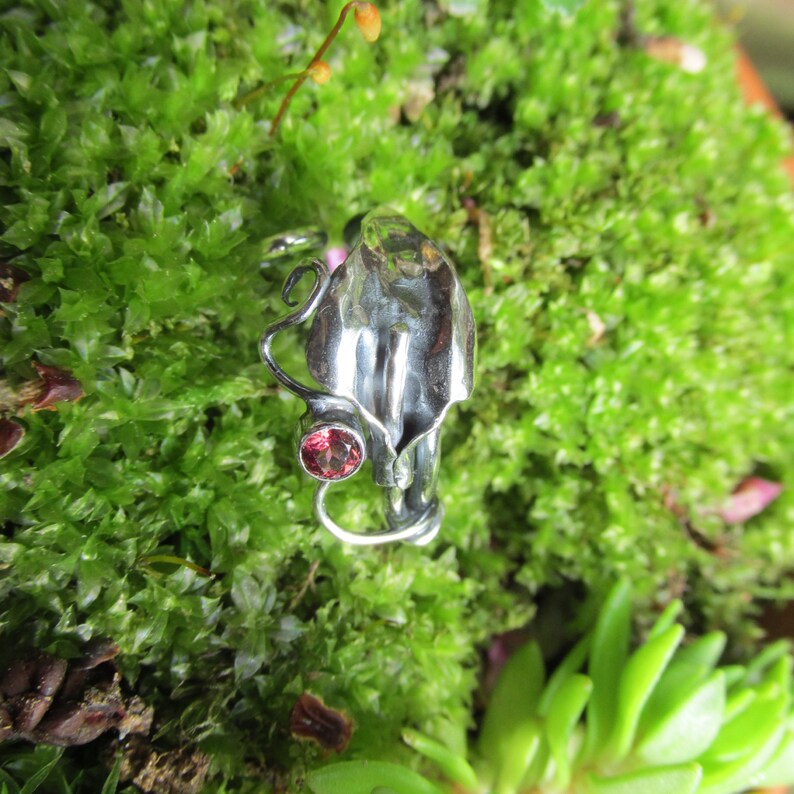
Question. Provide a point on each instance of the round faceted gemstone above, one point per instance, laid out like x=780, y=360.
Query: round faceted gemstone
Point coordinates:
x=330, y=453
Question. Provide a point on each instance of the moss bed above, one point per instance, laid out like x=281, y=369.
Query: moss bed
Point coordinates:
x=632, y=276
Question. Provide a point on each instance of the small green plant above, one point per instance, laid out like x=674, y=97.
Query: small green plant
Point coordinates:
x=663, y=719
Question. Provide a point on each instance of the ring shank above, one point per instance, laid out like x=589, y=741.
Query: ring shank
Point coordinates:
x=422, y=529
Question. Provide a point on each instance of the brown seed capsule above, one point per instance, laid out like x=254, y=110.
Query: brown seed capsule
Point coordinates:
x=56, y=386
x=10, y=435
x=312, y=719
x=320, y=72
x=368, y=20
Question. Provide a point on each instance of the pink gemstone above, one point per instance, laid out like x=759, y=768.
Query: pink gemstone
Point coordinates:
x=331, y=453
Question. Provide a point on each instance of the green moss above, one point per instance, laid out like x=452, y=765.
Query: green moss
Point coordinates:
x=137, y=198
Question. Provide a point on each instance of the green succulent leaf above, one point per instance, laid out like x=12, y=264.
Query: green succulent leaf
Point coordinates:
x=735, y=776
x=739, y=700
x=641, y=674
x=536, y=772
x=779, y=771
x=608, y=652
x=453, y=766
x=361, y=777
x=749, y=730
x=734, y=673
x=689, y=729
x=564, y=712
x=666, y=619
x=513, y=703
x=571, y=664
x=779, y=674
x=765, y=660
x=681, y=779
x=704, y=652
x=688, y=669
x=518, y=752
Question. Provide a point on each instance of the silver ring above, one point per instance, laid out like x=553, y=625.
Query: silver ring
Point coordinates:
x=391, y=346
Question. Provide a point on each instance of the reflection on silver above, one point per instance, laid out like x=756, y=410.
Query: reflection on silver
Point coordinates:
x=289, y=244
x=392, y=347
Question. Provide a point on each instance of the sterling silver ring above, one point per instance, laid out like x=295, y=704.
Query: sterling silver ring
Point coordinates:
x=392, y=347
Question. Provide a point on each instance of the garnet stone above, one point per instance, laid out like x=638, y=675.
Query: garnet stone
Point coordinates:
x=330, y=453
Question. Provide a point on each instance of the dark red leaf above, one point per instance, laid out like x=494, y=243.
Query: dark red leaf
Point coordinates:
x=56, y=386
x=312, y=719
x=10, y=435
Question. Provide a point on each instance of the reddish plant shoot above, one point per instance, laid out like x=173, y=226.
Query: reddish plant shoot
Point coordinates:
x=368, y=21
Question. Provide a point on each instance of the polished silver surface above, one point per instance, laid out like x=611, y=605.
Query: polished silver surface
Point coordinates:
x=392, y=347
x=279, y=247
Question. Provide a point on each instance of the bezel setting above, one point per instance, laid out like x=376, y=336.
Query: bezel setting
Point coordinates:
x=331, y=452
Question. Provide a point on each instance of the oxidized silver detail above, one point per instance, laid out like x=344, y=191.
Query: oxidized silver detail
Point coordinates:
x=392, y=345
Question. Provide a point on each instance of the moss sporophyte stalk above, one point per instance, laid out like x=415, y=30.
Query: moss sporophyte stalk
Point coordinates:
x=368, y=21
x=622, y=229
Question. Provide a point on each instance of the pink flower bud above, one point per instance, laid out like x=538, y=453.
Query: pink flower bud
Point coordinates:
x=334, y=257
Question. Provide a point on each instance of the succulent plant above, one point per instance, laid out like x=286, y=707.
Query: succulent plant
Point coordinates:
x=663, y=719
